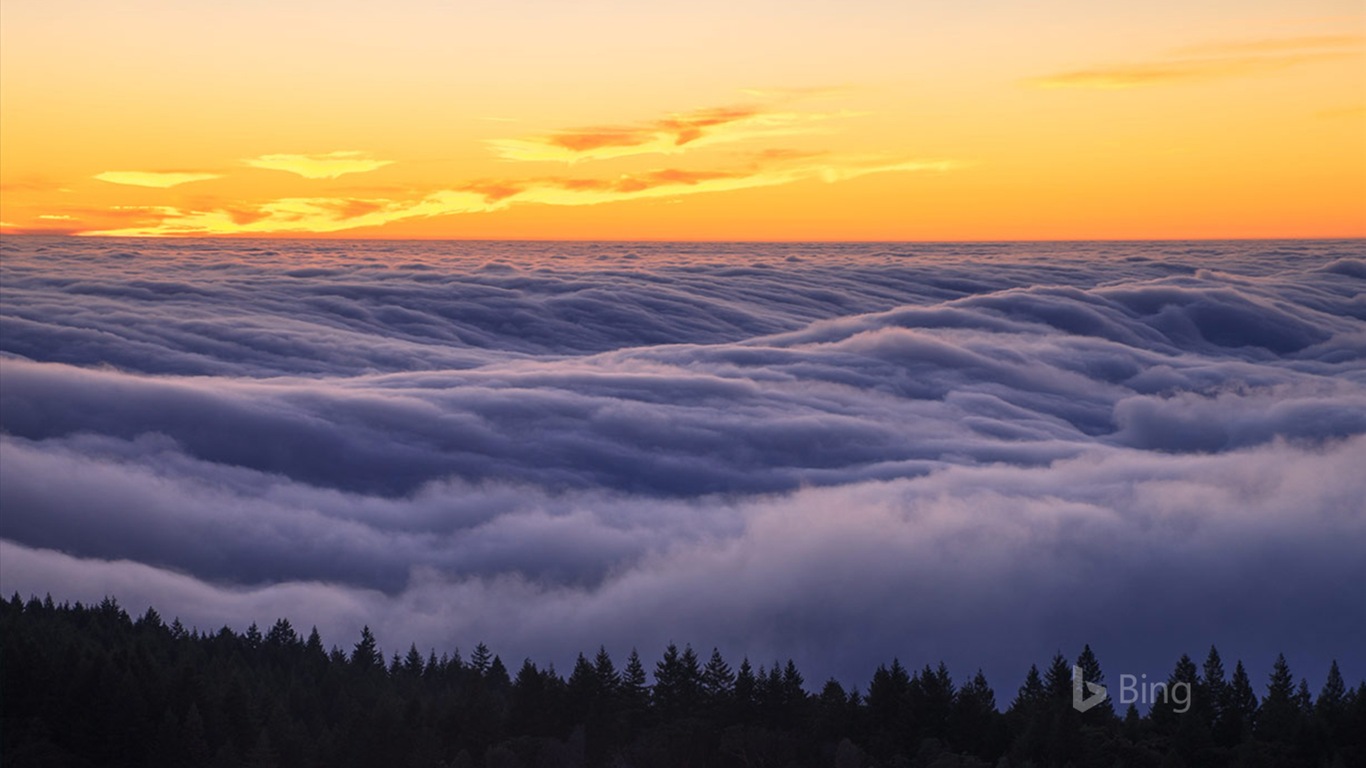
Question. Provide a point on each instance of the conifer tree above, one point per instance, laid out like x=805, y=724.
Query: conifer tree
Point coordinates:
x=1280, y=709
x=1101, y=713
x=313, y=647
x=481, y=659
x=973, y=721
x=1334, y=691
x=1212, y=695
x=281, y=635
x=497, y=678
x=746, y=689
x=718, y=681
x=635, y=689
x=608, y=679
x=1240, y=709
x=366, y=654
x=678, y=682
x=413, y=665
x=1057, y=681
x=584, y=690
x=1330, y=709
x=1029, y=720
x=1032, y=693
x=253, y=637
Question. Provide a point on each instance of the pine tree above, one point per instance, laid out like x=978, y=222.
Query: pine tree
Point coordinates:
x=608, y=679
x=718, y=681
x=282, y=635
x=1212, y=694
x=531, y=704
x=1280, y=709
x=412, y=663
x=1304, y=701
x=1331, y=708
x=585, y=692
x=1334, y=690
x=313, y=647
x=1177, y=712
x=973, y=723
x=746, y=692
x=678, y=682
x=366, y=655
x=151, y=620
x=634, y=698
x=253, y=637
x=794, y=685
x=635, y=688
x=931, y=697
x=1057, y=681
x=480, y=659
x=1240, y=709
x=1104, y=712
x=497, y=678
x=1028, y=718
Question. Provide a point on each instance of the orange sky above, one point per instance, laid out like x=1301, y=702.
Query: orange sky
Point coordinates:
x=802, y=119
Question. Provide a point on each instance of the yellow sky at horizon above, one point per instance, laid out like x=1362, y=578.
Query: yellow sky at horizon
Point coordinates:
x=760, y=120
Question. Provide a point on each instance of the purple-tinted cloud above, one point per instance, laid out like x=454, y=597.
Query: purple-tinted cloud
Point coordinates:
x=976, y=453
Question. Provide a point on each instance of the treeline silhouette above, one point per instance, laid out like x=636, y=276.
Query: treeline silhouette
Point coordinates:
x=88, y=685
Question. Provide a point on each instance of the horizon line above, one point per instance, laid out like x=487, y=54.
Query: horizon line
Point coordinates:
x=757, y=241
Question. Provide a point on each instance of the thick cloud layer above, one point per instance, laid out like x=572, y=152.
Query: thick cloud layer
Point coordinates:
x=981, y=453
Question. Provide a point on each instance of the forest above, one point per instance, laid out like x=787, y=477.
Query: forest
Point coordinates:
x=89, y=685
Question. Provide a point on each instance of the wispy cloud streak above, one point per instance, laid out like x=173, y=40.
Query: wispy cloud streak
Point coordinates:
x=156, y=179
x=336, y=214
x=325, y=166
x=669, y=135
x=1209, y=62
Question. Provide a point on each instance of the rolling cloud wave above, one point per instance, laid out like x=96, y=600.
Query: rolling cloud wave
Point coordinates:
x=837, y=453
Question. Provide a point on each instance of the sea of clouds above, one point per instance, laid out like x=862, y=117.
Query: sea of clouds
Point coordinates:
x=983, y=454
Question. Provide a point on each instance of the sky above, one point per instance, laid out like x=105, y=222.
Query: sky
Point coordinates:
x=795, y=120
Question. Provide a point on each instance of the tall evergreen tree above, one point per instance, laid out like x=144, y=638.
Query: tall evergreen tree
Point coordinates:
x=678, y=682
x=718, y=681
x=635, y=689
x=746, y=692
x=1334, y=690
x=1177, y=712
x=1029, y=719
x=608, y=679
x=1212, y=695
x=282, y=635
x=931, y=695
x=1240, y=709
x=1104, y=712
x=1280, y=709
x=313, y=647
x=583, y=680
x=1057, y=680
x=413, y=666
x=481, y=659
x=366, y=654
x=974, y=722
x=1330, y=710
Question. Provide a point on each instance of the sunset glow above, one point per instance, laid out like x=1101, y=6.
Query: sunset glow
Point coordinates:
x=533, y=120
